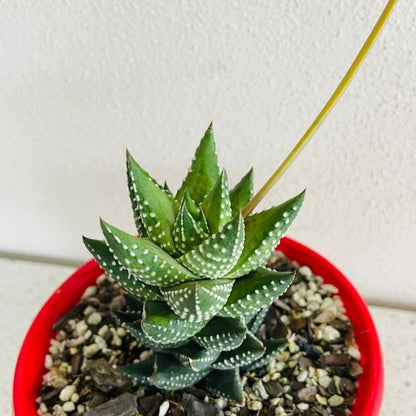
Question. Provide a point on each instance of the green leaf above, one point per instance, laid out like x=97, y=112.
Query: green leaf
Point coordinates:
x=242, y=193
x=256, y=291
x=204, y=170
x=114, y=269
x=157, y=209
x=166, y=189
x=217, y=205
x=135, y=206
x=250, y=350
x=196, y=357
x=139, y=372
x=171, y=375
x=225, y=384
x=273, y=347
x=134, y=327
x=202, y=222
x=198, y=300
x=216, y=255
x=144, y=259
x=162, y=325
x=186, y=232
x=222, y=334
x=255, y=322
x=263, y=232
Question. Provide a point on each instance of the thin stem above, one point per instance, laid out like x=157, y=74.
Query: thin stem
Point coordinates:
x=353, y=69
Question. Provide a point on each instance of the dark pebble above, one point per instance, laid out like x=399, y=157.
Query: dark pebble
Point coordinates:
x=194, y=407
x=150, y=404
x=105, y=377
x=123, y=405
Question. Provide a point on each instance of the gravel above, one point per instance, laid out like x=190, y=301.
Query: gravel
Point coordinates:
x=315, y=375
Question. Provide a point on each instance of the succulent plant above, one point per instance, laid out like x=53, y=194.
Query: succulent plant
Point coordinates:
x=196, y=276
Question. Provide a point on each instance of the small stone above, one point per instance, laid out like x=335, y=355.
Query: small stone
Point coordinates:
x=103, y=331
x=302, y=406
x=305, y=271
x=124, y=405
x=274, y=388
x=324, y=381
x=48, y=361
x=302, y=376
x=326, y=316
x=335, y=400
x=255, y=405
x=105, y=377
x=330, y=288
x=354, y=353
x=75, y=397
x=259, y=389
x=90, y=350
x=81, y=408
x=67, y=392
x=163, y=409
x=150, y=404
x=94, y=319
x=195, y=407
x=89, y=291
x=330, y=334
x=68, y=407
x=307, y=394
x=321, y=399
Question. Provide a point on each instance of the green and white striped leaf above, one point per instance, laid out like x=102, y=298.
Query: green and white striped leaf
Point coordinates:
x=242, y=193
x=225, y=384
x=203, y=223
x=254, y=323
x=223, y=334
x=186, y=232
x=144, y=259
x=273, y=348
x=114, y=269
x=263, y=232
x=255, y=291
x=204, y=170
x=196, y=357
x=216, y=255
x=156, y=207
x=162, y=325
x=169, y=374
x=135, y=329
x=198, y=300
x=139, y=372
x=217, y=205
x=250, y=350
x=135, y=206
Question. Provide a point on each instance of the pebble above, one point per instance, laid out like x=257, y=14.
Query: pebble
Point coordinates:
x=68, y=407
x=163, y=409
x=90, y=350
x=335, y=400
x=67, y=392
x=94, y=319
x=89, y=292
x=255, y=405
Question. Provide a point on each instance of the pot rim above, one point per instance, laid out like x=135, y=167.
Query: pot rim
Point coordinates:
x=30, y=362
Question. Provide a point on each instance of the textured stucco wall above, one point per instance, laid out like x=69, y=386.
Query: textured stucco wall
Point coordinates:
x=82, y=80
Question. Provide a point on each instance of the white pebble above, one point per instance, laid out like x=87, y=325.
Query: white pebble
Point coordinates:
x=302, y=406
x=94, y=319
x=81, y=408
x=90, y=350
x=335, y=400
x=102, y=332
x=48, y=361
x=330, y=288
x=68, y=407
x=67, y=392
x=75, y=397
x=89, y=291
x=163, y=409
x=354, y=353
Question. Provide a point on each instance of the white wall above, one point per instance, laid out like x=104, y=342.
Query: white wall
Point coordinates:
x=82, y=80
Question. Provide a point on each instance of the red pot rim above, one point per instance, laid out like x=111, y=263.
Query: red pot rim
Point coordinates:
x=30, y=363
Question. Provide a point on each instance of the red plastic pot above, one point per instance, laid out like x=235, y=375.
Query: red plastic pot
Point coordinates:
x=30, y=363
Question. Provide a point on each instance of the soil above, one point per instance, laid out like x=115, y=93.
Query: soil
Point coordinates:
x=315, y=375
